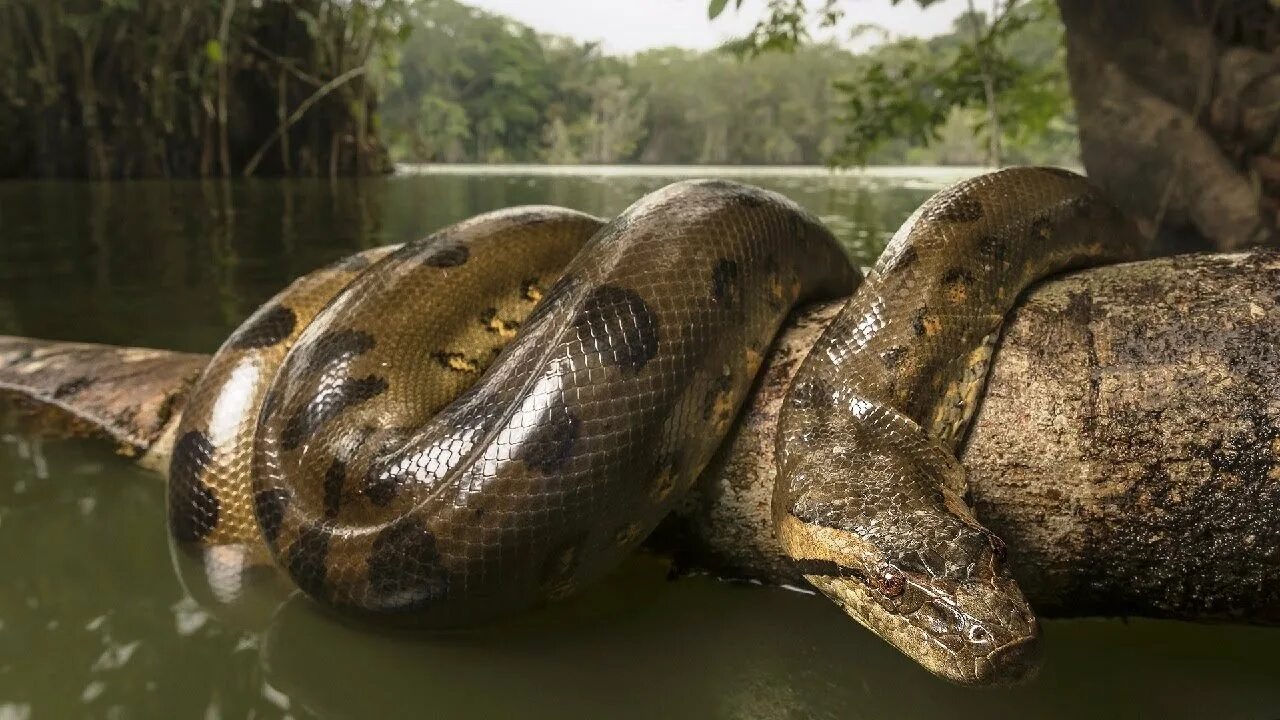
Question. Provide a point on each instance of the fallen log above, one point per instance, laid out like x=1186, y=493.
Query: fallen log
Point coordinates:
x=1127, y=450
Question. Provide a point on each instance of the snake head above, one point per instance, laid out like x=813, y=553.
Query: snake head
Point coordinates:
x=953, y=608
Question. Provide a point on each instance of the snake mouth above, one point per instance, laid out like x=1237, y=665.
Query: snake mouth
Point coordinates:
x=950, y=637
x=1013, y=663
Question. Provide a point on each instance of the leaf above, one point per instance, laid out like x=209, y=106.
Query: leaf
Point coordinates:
x=715, y=8
x=213, y=51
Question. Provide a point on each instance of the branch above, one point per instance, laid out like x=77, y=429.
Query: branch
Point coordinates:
x=1127, y=449
x=297, y=114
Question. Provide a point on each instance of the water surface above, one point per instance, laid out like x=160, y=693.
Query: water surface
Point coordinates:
x=94, y=621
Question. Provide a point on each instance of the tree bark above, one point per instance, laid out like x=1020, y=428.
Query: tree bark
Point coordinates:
x=1127, y=449
x=1179, y=112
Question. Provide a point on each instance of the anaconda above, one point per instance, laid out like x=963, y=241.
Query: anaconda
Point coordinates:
x=457, y=434
x=377, y=490
x=870, y=498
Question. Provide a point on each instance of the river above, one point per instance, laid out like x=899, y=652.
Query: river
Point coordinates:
x=94, y=621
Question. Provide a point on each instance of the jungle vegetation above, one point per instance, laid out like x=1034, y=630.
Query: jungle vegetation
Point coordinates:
x=478, y=87
x=128, y=88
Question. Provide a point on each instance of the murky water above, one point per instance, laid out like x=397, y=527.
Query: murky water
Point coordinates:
x=94, y=621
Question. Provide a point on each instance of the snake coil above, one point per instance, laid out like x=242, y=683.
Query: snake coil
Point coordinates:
x=494, y=415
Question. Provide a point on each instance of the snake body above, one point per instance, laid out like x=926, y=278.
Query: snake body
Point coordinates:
x=870, y=499
x=492, y=416
x=375, y=492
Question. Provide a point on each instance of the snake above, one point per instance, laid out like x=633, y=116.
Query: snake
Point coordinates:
x=493, y=416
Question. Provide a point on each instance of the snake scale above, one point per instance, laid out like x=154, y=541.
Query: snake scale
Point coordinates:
x=494, y=415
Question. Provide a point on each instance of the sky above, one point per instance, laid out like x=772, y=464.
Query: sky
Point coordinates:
x=628, y=26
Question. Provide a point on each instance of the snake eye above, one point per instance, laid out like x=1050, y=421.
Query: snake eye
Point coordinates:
x=892, y=584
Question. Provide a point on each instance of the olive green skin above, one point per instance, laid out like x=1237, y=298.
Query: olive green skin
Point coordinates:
x=870, y=499
x=211, y=502
x=376, y=493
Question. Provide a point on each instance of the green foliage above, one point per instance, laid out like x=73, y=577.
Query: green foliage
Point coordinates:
x=123, y=88
x=1008, y=67
x=479, y=87
x=512, y=95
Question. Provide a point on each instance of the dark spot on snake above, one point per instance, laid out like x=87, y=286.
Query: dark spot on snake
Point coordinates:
x=1081, y=205
x=548, y=447
x=446, y=253
x=404, y=565
x=193, y=508
x=325, y=406
x=957, y=275
x=306, y=561
x=72, y=387
x=530, y=291
x=379, y=487
x=958, y=209
x=617, y=323
x=268, y=506
x=917, y=323
x=499, y=326
x=337, y=346
x=725, y=289
x=268, y=326
x=988, y=245
x=893, y=356
x=334, y=478
x=1041, y=230
x=902, y=260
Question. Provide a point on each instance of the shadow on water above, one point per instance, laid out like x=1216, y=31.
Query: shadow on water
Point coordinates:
x=93, y=620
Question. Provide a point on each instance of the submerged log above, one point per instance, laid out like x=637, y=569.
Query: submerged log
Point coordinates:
x=1127, y=450
x=131, y=396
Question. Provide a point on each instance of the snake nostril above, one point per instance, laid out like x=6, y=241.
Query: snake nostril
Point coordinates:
x=979, y=634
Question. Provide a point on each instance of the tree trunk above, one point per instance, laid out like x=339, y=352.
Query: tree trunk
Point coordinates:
x=1179, y=112
x=1127, y=450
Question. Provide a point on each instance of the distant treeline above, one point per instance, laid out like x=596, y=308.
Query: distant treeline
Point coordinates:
x=130, y=88
x=127, y=88
x=478, y=87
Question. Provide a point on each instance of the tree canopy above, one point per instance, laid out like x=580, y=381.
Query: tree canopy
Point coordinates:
x=480, y=87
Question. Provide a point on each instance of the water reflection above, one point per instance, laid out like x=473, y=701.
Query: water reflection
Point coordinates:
x=93, y=620
x=179, y=264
